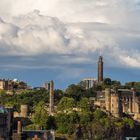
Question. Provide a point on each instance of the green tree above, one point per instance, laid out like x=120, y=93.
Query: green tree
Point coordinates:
x=75, y=91
x=129, y=122
x=116, y=83
x=40, y=115
x=83, y=104
x=58, y=94
x=74, y=117
x=133, y=84
x=63, y=123
x=51, y=122
x=107, y=81
x=2, y=93
x=66, y=104
x=98, y=114
x=85, y=118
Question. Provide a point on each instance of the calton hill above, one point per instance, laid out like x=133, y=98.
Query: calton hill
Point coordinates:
x=75, y=116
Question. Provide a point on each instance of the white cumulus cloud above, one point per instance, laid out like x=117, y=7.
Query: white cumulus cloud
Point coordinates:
x=69, y=32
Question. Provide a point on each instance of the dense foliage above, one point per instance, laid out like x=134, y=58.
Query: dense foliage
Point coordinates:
x=29, y=97
x=75, y=115
x=135, y=85
x=92, y=125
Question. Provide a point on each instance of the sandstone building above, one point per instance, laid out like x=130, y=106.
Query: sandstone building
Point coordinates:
x=6, y=84
x=115, y=101
x=120, y=101
x=88, y=82
x=23, y=112
x=46, y=85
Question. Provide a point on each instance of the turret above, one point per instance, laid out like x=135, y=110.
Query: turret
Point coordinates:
x=116, y=105
x=108, y=99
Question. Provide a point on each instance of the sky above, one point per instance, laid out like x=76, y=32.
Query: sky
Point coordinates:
x=61, y=40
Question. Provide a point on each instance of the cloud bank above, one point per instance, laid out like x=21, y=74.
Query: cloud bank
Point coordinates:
x=33, y=34
x=69, y=35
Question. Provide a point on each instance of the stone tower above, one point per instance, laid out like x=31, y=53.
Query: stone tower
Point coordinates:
x=135, y=101
x=136, y=105
x=19, y=127
x=100, y=69
x=108, y=99
x=24, y=111
x=51, y=97
x=116, y=105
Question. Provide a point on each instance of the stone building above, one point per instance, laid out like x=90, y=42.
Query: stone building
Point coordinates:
x=46, y=85
x=12, y=85
x=6, y=84
x=23, y=112
x=120, y=101
x=18, y=134
x=88, y=82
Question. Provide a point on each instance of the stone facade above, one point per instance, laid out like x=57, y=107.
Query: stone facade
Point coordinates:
x=120, y=101
x=89, y=83
x=23, y=112
x=11, y=85
x=6, y=84
x=18, y=135
x=46, y=85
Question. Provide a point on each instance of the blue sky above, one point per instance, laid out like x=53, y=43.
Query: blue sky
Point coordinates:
x=62, y=40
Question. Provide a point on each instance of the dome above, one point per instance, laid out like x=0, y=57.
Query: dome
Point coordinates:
x=15, y=80
x=3, y=110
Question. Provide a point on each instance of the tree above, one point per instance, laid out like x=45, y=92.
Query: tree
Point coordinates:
x=85, y=118
x=22, y=85
x=98, y=114
x=130, y=84
x=90, y=93
x=40, y=115
x=133, y=84
x=66, y=104
x=51, y=122
x=84, y=104
x=116, y=83
x=74, y=117
x=58, y=94
x=129, y=122
x=75, y=91
x=2, y=93
x=63, y=122
x=107, y=81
